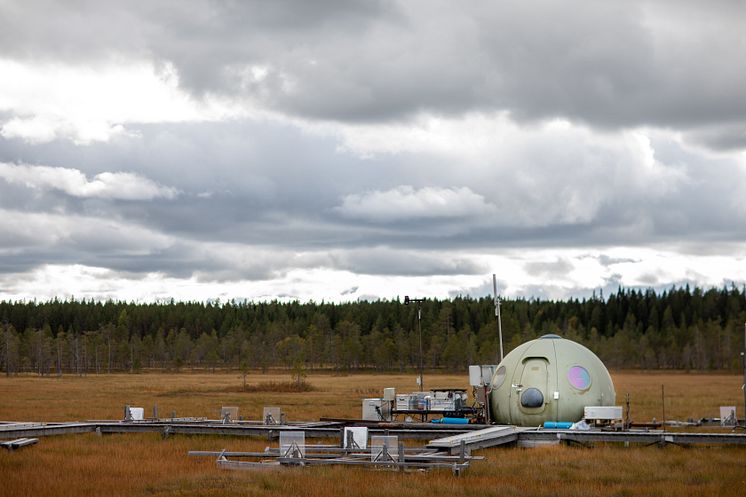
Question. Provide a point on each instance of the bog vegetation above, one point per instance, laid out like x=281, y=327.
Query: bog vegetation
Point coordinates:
x=681, y=328
x=134, y=465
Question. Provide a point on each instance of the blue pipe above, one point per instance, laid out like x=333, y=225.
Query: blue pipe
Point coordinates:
x=557, y=425
x=451, y=421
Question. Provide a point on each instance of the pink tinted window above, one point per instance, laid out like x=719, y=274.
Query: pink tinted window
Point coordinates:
x=579, y=377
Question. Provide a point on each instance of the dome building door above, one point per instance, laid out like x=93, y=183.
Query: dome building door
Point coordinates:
x=532, y=390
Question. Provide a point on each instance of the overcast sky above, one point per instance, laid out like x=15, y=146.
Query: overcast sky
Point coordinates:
x=341, y=150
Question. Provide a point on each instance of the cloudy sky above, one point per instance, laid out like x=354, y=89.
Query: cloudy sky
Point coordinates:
x=342, y=149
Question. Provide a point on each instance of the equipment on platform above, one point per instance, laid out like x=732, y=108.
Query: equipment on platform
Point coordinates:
x=603, y=415
x=448, y=402
x=228, y=414
x=134, y=413
x=273, y=416
x=376, y=410
x=480, y=379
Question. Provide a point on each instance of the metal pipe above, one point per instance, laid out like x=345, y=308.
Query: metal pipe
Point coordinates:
x=497, y=315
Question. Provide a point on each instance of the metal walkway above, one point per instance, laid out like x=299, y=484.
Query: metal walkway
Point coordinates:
x=440, y=437
x=501, y=435
x=166, y=427
x=480, y=439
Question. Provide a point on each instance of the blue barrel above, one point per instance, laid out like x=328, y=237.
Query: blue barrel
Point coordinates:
x=557, y=425
x=451, y=421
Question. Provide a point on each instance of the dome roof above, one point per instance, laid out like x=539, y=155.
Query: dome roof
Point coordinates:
x=549, y=379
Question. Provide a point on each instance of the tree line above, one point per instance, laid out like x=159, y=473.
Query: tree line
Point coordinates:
x=680, y=328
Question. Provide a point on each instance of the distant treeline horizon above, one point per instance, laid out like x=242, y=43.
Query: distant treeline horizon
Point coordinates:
x=680, y=328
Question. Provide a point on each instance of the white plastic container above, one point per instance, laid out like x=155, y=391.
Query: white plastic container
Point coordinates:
x=389, y=394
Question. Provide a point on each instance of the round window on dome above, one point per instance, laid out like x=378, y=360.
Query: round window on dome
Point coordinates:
x=499, y=378
x=579, y=377
x=532, y=397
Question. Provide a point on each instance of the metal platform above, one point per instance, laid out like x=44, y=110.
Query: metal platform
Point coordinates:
x=634, y=437
x=529, y=437
x=397, y=458
x=442, y=437
x=166, y=427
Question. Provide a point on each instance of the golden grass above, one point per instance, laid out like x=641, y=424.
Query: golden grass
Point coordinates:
x=71, y=398
x=146, y=465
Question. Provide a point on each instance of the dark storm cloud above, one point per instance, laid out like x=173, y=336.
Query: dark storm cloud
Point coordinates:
x=670, y=64
x=725, y=138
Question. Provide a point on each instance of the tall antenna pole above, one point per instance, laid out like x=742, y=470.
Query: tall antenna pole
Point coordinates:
x=419, y=302
x=497, y=315
x=419, y=330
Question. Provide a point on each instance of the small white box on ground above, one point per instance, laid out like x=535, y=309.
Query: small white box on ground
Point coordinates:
x=607, y=413
x=293, y=444
x=728, y=416
x=384, y=448
x=356, y=437
x=229, y=414
x=272, y=416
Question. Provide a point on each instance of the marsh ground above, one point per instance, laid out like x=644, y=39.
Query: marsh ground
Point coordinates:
x=146, y=465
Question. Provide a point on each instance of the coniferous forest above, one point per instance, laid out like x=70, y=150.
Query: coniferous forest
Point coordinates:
x=681, y=328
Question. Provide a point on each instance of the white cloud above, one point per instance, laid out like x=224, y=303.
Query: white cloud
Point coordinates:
x=108, y=185
x=540, y=139
x=538, y=175
x=91, y=103
x=585, y=273
x=405, y=202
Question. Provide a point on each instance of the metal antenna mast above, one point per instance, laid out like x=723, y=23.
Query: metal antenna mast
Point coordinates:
x=497, y=315
x=419, y=302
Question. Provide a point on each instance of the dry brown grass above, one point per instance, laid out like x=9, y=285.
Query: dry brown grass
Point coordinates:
x=200, y=395
x=146, y=465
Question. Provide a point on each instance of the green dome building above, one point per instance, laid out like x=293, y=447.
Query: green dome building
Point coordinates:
x=548, y=379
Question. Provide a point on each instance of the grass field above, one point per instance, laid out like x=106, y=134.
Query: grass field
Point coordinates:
x=146, y=465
